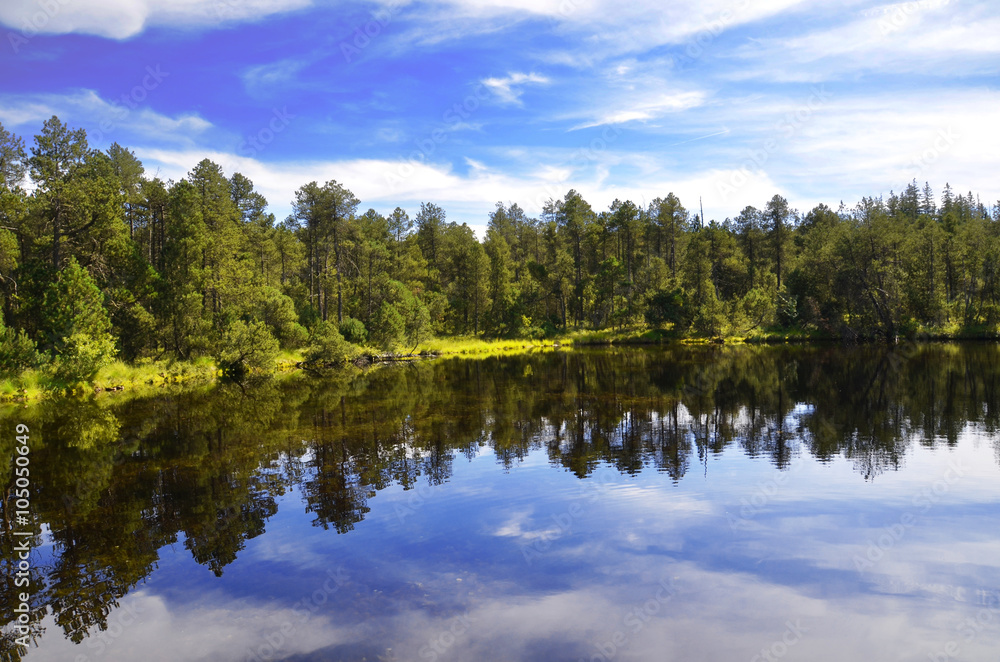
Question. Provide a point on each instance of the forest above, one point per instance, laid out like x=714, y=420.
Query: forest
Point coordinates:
x=100, y=262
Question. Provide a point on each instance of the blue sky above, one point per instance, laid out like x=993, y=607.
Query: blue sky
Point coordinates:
x=469, y=103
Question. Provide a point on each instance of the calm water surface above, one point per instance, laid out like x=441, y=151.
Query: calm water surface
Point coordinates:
x=689, y=504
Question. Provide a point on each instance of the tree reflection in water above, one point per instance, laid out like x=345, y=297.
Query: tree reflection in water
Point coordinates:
x=115, y=483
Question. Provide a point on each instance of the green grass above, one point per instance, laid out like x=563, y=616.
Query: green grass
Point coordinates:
x=477, y=346
x=147, y=375
x=637, y=335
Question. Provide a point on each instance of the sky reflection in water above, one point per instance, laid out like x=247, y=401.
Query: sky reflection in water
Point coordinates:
x=509, y=555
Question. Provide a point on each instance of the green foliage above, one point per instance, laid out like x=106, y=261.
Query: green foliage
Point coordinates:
x=328, y=347
x=246, y=347
x=74, y=305
x=389, y=328
x=415, y=315
x=788, y=310
x=93, y=248
x=76, y=326
x=18, y=352
x=668, y=308
x=81, y=357
x=758, y=308
x=278, y=312
x=354, y=331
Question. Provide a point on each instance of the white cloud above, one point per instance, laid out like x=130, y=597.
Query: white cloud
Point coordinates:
x=145, y=626
x=631, y=90
x=933, y=37
x=122, y=19
x=847, y=148
x=507, y=89
x=644, y=107
x=101, y=118
x=264, y=78
x=613, y=27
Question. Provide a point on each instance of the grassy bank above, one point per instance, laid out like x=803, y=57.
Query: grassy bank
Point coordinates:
x=150, y=376
x=118, y=376
x=480, y=346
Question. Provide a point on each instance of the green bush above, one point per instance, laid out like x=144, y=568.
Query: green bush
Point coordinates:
x=81, y=356
x=328, y=346
x=246, y=347
x=353, y=330
x=788, y=310
x=17, y=352
x=389, y=328
x=669, y=307
x=278, y=312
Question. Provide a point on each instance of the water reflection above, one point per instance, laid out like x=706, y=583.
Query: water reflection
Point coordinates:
x=226, y=473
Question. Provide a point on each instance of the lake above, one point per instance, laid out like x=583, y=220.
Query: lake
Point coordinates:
x=697, y=503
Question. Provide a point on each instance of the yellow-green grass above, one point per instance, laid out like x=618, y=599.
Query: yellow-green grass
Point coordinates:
x=473, y=346
x=148, y=375
x=142, y=378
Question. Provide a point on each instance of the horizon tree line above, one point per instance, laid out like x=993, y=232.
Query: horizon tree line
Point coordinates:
x=98, y=260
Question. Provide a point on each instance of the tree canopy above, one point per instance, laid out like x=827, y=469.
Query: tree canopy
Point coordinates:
x=98, y=258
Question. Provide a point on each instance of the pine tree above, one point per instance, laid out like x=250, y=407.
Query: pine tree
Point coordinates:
x=77, y=328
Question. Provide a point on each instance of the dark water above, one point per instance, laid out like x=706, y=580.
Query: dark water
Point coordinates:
x=697, y=504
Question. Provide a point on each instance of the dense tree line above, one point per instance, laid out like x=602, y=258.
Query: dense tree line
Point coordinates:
x=98, y=259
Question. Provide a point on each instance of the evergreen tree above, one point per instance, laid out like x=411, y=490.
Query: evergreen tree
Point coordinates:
x=77, y=328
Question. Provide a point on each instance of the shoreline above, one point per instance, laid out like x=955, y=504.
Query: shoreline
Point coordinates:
x=32, y=387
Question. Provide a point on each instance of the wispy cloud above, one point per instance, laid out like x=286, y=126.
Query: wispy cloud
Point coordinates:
x=265, y=79
x=693, y=92
x=929, y=37
x=88, y=110
x=122, y=19
x=642, y=109
x=508, y=89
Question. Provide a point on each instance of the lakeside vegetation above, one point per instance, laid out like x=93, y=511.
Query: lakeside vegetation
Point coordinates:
x=110, y=276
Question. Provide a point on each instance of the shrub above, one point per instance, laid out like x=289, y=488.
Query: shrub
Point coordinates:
x=670, y=307
x=353, y=330
x=278, y=312
x=246, y=347
x=17, y=352
x=81, y=356
x=389, y=328
x=328, y=346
